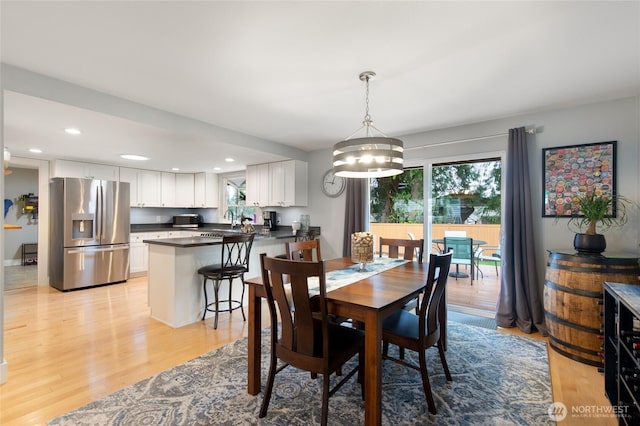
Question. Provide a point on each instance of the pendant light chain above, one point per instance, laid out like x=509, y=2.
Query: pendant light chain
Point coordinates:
x=367, y=118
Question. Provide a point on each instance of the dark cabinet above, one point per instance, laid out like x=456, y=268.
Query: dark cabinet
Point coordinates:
x=29, y=253
x=622, y=350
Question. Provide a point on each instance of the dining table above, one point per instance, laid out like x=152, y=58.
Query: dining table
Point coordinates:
x=440, y=243
x=368, y=300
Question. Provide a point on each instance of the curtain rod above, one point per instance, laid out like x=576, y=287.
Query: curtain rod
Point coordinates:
x=530, y=131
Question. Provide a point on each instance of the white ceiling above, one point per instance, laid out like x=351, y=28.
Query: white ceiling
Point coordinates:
x=287, y=72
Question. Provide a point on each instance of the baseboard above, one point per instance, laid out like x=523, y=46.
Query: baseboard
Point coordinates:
x=4, y=371
x=471, y=311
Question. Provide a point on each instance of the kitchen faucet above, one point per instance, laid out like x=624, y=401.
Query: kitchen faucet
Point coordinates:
x=229, y=215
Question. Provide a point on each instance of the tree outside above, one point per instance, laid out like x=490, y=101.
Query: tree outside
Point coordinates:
x=462, y=192
x=398, y=199
x=467, y=192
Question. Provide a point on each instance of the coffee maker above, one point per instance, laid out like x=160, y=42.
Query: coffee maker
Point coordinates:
x=269, y=219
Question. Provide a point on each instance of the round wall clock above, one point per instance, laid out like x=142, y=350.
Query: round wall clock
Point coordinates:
x=333, y=185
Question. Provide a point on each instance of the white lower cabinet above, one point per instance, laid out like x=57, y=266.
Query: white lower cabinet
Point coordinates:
x=138, y=258
x=139, y=251
x=138, y=254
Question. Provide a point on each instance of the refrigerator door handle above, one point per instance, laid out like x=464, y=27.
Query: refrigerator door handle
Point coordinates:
x=98, y=215
x=103, y=215
x=101, y=248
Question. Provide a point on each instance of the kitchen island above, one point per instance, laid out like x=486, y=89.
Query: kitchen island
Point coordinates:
x=175, y=287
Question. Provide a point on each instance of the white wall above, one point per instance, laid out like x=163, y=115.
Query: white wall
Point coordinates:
x=162, y=215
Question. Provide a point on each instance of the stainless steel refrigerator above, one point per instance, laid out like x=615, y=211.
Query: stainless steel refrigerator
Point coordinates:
x=89, y=237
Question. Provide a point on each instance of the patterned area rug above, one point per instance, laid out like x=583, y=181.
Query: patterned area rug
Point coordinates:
x=498, y=379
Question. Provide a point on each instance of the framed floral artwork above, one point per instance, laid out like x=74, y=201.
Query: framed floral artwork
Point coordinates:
x=571, y=171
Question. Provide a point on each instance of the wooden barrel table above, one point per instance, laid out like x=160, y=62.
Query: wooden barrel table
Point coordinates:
x=573, y=299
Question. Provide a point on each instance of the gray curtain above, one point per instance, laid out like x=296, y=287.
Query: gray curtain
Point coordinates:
x=355, y=212
x=520, y=300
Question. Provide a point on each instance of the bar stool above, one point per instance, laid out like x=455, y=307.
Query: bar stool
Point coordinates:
x=234, y=263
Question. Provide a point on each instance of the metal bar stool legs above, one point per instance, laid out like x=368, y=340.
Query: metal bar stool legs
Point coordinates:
x=232, y=305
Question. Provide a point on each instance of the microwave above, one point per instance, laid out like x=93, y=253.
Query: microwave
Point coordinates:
x=186, y=220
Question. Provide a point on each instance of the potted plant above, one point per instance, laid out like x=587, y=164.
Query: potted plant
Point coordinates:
x=596, y=209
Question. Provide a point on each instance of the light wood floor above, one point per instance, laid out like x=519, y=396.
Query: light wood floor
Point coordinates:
x=482, y=295
x=67, y=349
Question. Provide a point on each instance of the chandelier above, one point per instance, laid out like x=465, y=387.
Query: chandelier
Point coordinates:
x=371, y=155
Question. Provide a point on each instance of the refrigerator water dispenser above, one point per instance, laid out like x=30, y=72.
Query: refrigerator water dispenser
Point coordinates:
x=82, y=227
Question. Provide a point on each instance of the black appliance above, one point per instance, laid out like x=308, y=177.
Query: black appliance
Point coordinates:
x=186, y=220
x=269, y=219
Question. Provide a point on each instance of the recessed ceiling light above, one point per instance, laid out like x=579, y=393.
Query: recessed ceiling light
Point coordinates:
x=72, y=131
x=229, y=160
x=35, y=150
x=175, y=169
x=134, y=157
x=216, y=168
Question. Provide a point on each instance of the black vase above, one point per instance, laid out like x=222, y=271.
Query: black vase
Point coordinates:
x=589, y=244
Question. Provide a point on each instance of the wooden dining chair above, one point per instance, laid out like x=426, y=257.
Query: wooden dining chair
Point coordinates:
x=413, y=249
x=304, y=338
x=305, y=234
x=423, y=331
x=308, y=250
x=234, y=263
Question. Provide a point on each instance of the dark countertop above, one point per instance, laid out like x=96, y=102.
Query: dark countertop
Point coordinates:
x=628, y=293
x=212, y=241
x=282, y=232
x=186, y=241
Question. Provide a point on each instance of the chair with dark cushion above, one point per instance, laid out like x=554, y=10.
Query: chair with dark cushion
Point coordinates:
x=308, y=250
x=304, y=338
x=234, y=263
x=420, y=332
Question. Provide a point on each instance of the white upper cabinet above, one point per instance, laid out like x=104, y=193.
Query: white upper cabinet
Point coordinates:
x=145, y=186
x=168, y=189
x=276, y=184
x=257, y=185
x=184, y=190
x=76, y=169
x=282, y=184
x=131, y=176
x=293, y=184
x=206, y=190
